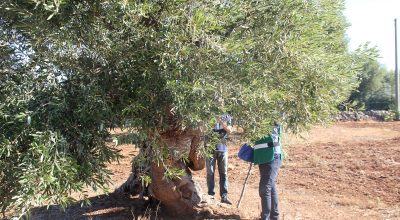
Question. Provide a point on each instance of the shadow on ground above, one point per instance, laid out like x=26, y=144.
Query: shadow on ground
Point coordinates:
x=116, y=206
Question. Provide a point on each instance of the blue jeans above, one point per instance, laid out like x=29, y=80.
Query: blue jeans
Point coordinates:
x=267, y=188
x=221, y=158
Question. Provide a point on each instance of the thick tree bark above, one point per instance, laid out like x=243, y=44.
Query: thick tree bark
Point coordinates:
x=178, y=195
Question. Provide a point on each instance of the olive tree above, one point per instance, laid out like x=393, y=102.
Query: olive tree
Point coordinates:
x=161, y=69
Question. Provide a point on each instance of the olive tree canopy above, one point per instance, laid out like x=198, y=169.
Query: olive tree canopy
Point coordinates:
x=70, y=70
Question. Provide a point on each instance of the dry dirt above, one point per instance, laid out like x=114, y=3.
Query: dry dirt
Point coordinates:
x=348, y=170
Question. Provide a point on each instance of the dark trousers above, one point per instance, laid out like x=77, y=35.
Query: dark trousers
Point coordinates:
x=221, y=159
x=267, y=188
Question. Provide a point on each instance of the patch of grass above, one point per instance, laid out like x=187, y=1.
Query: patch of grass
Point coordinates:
x=364, y=204
x=372, y=203
x=347, y=201
x=317, y=161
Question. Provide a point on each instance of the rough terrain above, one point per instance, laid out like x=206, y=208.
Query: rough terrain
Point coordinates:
x=348, y=170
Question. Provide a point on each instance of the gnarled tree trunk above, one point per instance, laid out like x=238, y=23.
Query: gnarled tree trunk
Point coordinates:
x=178, y=195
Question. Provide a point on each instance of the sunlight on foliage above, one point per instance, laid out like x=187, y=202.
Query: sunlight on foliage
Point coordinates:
x=72, y=70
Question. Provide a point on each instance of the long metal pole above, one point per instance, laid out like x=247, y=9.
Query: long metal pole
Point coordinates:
x=396, y=70
x=244, y=185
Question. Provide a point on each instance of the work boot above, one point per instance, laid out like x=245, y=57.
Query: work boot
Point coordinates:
x=226, y=200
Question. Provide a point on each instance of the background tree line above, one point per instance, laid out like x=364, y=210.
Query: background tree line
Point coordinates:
x=376, y=85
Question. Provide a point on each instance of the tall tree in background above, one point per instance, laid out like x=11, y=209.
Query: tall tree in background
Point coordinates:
x=73, y=69
x=373, y=91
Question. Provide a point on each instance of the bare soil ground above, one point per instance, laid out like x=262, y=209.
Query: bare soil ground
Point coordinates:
x=348, y=170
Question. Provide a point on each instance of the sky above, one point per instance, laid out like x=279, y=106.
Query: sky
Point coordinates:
x=373, y=21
